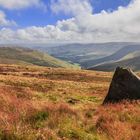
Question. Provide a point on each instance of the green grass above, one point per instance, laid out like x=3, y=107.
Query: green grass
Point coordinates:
x=24, y=56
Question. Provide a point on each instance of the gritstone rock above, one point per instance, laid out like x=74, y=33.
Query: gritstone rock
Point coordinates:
x=125, y=85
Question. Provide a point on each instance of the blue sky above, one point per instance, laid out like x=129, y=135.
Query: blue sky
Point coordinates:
x=72, y=21
x=34, y=16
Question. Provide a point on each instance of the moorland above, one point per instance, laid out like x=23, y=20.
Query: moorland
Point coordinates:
x=43, y=103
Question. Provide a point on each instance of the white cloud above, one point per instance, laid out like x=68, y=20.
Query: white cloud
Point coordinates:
x=20, y=4
x=4, y=21
x=85, y=26
x=72, y=7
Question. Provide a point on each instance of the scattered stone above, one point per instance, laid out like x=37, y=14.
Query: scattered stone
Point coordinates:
x=72, y=101
x=125, y=85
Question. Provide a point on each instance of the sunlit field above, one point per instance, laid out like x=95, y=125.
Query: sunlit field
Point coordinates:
x=38, y=103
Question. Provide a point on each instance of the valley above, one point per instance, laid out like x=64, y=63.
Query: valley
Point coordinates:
x=100, y=56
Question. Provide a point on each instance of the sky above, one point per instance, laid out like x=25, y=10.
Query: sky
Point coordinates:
x=56, y=21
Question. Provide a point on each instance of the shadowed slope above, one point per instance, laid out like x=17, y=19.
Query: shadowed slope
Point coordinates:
x=131, y=60
x=107, y=63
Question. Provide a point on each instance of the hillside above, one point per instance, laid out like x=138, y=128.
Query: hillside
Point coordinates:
x=82, y=53
x=131, y=60
x=85, y=55
x=115, y=56
x=40, y=103
x=25, y=56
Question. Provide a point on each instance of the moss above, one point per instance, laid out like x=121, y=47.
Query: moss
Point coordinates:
x=76, y=134
x=70, y=129
x=37, y=120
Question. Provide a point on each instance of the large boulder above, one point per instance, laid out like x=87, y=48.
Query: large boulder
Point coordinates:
x=125, y=85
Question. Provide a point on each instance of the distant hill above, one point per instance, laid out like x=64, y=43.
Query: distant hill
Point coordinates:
x=82, y=54
x=87, y=56
x=114, y=57
x=25, y=56
x=131, y=60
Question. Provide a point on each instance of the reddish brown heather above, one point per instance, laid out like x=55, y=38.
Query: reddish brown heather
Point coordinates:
x=38, y=103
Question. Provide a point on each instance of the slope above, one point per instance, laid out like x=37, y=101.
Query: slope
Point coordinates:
x=114, y=57
x=82, y=53
x=39, y=103
x=131, y=60
x=18, y=55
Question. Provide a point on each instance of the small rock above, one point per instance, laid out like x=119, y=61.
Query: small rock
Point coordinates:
x=72, y=101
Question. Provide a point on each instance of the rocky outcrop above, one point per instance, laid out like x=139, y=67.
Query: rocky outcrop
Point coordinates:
x=125, y=85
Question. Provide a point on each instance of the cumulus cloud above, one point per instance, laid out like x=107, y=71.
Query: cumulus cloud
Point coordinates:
x=20, y=4
x=122, y=24
x=4, y=21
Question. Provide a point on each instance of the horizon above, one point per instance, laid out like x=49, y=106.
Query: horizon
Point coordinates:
x=64, y=43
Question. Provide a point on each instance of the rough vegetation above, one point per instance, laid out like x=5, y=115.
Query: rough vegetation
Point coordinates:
x=38, y=103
